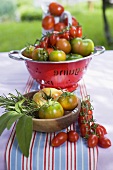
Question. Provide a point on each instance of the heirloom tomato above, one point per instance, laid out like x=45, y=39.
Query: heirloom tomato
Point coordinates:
x=92, y=141
x=50, y=110
x=73, y=56
x=28, y=51
x=56, y=9
x=68, y=100
x=64, y=45
x=59, y=139
x=81, y=46
x=57, y=55
x=72, y=136
x=40, y=54
x=48, y=22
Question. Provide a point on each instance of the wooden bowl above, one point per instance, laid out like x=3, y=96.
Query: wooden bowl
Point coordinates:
x=54, y=125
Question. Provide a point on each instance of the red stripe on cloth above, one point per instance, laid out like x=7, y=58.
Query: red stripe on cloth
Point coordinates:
x=45, y=147
x=22, y=162
x=31, y=149
x=10, y=145
x=52, y=158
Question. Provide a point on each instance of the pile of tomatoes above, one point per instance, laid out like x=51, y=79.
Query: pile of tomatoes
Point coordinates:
x=62, y=42
x=92, y=132
x=56, y=10
x=53, y=103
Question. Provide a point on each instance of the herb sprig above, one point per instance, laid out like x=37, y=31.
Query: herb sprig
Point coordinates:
x=19, y=109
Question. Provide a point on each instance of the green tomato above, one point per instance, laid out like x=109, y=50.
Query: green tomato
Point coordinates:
x=68, y=100
x=57, y=55
x=50, y=110
x=27, y=52
x=73, y=56
x=81, y=46
x=40, y=54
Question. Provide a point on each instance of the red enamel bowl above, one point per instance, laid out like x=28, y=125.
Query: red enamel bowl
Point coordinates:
x=63, y=75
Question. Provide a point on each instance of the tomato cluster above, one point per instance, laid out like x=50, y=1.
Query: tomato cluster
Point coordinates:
x=56, y=10
x=62, y=40
x=93, y=133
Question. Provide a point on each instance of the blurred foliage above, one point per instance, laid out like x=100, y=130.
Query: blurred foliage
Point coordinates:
x=7, y=10
x=16, y=35
x=30, y=13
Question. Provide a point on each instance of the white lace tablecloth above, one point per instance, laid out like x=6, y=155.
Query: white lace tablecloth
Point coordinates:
x=99, y=84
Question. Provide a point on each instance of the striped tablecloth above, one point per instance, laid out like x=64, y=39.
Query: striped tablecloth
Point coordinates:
x=69, y=156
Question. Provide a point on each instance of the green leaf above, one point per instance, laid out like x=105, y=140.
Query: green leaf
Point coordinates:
x=7, y=119
x=14, y=116
x=24, y=129
x=18, y=105
x=4, y=120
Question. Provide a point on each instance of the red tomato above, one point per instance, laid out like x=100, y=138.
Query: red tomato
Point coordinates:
x=81, y=119
x=43, y=44
x=59, y=26
x=48, y=22
x=74, y=21
x=49, y=50
x=59, y=139
x=97, y=129
x=79, y=31
x=84, y=129
x=64, y=45
x=53, y=39
x=104, y=142
x=72, y=136
x=56, y=9
x=92, y=141
x=104, y=129
x=73, y=31
x=65, y=35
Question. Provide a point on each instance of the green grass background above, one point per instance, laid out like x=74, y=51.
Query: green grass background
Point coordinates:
x=16, y=35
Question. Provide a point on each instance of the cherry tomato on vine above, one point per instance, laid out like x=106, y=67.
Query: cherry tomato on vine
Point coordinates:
x=64, y=45
x=103, y=128
x=92, y=141
x=57, y=55
x=81, y=119
x=48, y=22
x=84, y=129
x=59, y=139
x=74, y=21
x=56, y=9
x=65, y=35
x=72, y=136
x=43, y=44
x=68, y=100
x=104, y=142
x=51, y=110
x=59, y=26
x=97, y=129
x=40, y=54
x=53, y=39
